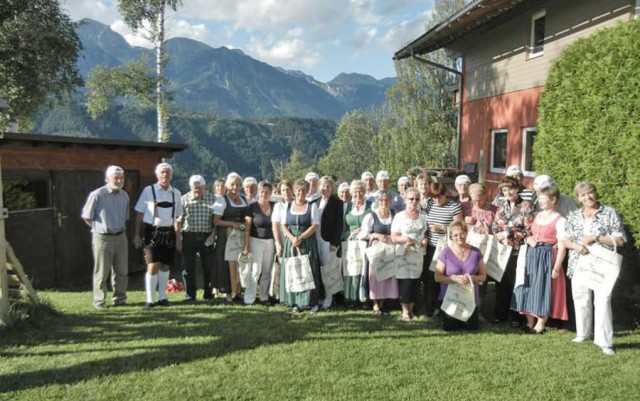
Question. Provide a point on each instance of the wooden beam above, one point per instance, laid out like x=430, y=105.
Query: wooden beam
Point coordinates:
x=17, y=267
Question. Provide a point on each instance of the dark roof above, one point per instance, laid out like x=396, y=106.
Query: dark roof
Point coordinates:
x=470, y=17
x=65, y=141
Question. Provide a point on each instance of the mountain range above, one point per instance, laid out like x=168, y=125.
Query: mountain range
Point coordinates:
x=228, y=83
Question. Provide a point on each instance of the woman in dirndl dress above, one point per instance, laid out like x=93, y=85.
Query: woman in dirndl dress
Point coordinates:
x=229, y=214
x=376, y=226
x=543, y=293
x=354, y=215
x=299, y=224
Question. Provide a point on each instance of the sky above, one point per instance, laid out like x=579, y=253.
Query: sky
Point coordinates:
x=322, y=38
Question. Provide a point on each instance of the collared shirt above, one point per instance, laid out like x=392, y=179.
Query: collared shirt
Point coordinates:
x=108, y=210
x=157, y=215
x=604, y=222
x=198, y=213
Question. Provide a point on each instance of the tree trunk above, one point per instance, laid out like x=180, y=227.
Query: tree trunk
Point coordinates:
x=160, y=106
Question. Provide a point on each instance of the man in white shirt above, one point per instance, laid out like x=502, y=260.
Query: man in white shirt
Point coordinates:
x=159, y=208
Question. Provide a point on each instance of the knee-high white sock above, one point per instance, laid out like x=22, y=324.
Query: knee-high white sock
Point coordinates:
x=150, y=284
x=163, y=279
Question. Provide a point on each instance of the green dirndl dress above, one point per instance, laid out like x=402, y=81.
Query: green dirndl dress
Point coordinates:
x=353, y=285
x=298, y=224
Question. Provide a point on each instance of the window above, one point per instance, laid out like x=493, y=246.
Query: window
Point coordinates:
x=498, y=151
x=528, y=139
x=26, y=194
x=536, y=46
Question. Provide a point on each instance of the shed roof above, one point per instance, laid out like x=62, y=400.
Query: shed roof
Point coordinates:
x=472, y=16
x=67, y=141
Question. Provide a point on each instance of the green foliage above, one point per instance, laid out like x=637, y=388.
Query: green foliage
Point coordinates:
x=38, y=52
x=588, y=125
x=351, y=152
x=136, y=12
x=217, y=146
x=133, y=80
x=293, y=169
x=417, y=123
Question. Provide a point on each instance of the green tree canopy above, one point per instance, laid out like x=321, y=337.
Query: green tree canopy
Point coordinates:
x=351, y=152
x=38, y=52
x=589, y=119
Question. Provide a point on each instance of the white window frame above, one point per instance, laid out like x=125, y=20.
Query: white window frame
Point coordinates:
x=534, y=17
x=492, y=168
x=525, y=145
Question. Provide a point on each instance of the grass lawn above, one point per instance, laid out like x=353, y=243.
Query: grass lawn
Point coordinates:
x=207, y=352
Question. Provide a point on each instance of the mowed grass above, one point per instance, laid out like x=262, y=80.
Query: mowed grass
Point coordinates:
x=209, y=352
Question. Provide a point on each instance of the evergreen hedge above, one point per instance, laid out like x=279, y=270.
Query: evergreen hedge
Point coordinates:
x=589, y=119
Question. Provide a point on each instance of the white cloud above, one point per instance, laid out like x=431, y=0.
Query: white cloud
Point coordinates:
x=286, y=53
x=134, y=39
x=94, y=9
x=184, y=29
x=362, y=38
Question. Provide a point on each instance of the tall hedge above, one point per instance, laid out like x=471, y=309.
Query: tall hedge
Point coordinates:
x=589, y=119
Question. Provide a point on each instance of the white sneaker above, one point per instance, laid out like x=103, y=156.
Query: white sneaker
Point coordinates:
x=579, y=340
x=314, y=310
x=608, y=351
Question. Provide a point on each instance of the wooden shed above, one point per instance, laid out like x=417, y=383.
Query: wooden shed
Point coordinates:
x=46, y=182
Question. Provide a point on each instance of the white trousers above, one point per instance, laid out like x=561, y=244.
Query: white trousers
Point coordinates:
x=585, y=302
x=262, y=252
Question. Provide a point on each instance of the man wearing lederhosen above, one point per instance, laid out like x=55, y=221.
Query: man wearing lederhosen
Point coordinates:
x=159, y=208
x=106, y=211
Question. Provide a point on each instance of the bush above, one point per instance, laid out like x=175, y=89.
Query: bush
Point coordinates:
x=589, y=129
x=589, y=119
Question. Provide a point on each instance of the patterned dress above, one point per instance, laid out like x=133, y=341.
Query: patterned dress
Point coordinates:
x=386, y=289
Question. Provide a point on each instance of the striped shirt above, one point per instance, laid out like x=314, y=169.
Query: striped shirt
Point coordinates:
x=441, y=214
x=198, y=213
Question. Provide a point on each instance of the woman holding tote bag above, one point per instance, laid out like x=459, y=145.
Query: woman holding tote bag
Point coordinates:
x=299, y=225
x=592, y=225
x=458, y=263
x=376, y=227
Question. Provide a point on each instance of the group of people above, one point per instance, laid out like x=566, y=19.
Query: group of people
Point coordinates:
x=251, y=236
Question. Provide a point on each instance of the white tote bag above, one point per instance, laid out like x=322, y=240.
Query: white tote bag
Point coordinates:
x=442, y=243
x=353, y=257
x=234, y=245
x=381, y=257
x=599, y=269
x=245, y=263
x=498, y=258
x=521, y=266
x=409, y=262
x=298, y=272
x=331, y=274
x=459, y=301
x=274, y=286
x=480, y=241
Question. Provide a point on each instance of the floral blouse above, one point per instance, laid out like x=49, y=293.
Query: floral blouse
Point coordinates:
x=515, y=220
x=604, y=222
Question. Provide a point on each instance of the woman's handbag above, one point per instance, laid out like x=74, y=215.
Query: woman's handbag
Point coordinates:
x=353, y=257
x=599, y=269
x=498, y=258
x=298, y=272
x=409, y=262
x=274, y=286
x=234, y=245
x=244, y=269
x=331, y=274
x=521, y=266
x=381, y=257
x=459, y=300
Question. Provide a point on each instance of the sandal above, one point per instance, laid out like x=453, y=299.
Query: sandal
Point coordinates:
x=377, y=312
x=406, y=318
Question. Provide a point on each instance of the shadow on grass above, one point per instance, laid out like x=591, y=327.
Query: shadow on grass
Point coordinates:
x=180, y=334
